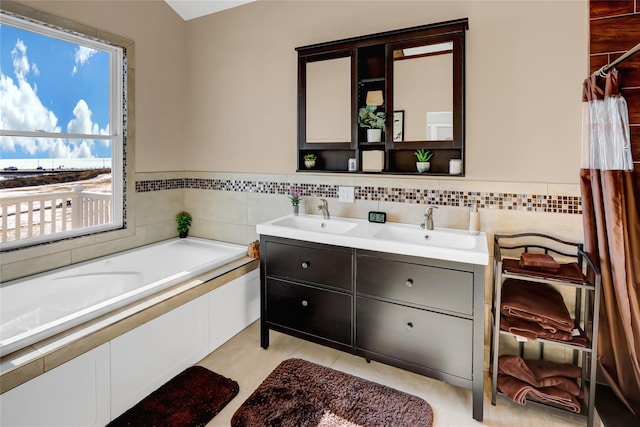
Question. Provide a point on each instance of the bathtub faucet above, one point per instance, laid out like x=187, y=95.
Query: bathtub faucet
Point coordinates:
x=325, y=209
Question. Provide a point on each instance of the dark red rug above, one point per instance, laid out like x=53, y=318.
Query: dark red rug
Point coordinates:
x=191, y=398
x=300, y=393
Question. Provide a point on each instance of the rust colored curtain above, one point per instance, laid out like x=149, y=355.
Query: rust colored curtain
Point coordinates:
x=611, y=217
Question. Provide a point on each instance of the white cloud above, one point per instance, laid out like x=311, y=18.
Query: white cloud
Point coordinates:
x=22, y=109
x=82, y=122
x=82, y=55
x=20, y=106
x=20, y=60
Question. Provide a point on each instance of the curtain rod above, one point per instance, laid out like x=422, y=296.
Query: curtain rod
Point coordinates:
x=606, y=68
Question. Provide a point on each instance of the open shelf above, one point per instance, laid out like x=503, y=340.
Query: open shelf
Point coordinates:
x=576, y=271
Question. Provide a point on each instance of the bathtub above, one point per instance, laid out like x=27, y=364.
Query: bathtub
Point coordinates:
x=40, y=306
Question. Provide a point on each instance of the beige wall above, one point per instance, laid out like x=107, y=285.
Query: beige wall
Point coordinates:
x=158, y=34
x=525, y=64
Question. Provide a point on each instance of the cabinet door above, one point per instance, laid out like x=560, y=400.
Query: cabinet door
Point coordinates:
x=321, y=313
x=415, y=284
x=432, y=340
x=312, y=265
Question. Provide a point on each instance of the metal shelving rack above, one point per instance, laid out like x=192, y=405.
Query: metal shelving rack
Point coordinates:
x=585, y=312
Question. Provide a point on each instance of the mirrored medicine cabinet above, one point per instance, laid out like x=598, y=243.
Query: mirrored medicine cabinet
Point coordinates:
x=413, y=77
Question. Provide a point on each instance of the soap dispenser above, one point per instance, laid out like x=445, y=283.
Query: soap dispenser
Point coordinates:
x=474, y=220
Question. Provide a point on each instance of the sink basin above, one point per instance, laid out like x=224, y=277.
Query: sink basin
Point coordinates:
x=304, y=223
x=391, y=237
x=454, y=239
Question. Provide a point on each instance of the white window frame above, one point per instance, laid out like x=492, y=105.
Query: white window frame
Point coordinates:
x=117, y=109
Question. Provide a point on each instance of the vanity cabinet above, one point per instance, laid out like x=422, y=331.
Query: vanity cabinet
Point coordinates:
x=419, y=314
x=307, y=291
x=415, y=76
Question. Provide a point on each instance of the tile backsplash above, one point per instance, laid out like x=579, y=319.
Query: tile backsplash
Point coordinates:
x=549, y=203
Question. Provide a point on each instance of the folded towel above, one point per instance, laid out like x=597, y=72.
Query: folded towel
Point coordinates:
x=539, y=262
x=519, y=391
x=520, y=369
x=531, y=330
x=568, y=272
x=537, y=302
x=546, y=368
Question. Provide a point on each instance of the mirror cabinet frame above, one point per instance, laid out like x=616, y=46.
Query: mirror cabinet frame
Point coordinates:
x=372, y=69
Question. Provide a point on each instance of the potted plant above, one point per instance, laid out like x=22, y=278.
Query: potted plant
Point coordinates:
x=423, y=163
x=183, y=219
x=295, y=197
x=309, y=160
x=374, y=122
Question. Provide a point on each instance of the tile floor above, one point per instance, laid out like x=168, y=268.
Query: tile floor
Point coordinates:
x=243, y=360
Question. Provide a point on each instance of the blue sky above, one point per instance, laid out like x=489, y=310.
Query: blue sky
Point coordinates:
x=54, y=85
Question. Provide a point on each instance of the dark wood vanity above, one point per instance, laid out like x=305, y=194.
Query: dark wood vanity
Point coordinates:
x=420, y=314
x=419, y=72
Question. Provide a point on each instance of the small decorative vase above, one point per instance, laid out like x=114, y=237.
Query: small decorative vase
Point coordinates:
x=374, y=135
x=296, y=210
x=423, y=166
x=309, y=164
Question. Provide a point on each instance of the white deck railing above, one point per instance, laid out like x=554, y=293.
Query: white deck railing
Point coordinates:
x=47, y=213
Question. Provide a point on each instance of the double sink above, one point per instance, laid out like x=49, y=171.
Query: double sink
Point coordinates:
x=404, y=239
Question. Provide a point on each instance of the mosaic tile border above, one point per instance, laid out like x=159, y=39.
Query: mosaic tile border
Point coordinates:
x=492, y=200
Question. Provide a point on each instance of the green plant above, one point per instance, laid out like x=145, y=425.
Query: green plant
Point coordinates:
x=368, y=118
x=294, y=196
x=423, y=155
x=310, y=156
x=183, y=219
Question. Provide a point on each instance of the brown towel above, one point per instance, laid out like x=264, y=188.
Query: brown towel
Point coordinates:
x=546, y=368
x=537, y=302
x=567, y=273
x=531, y=330
x=539, y=262
x=520, y=369
x=519, y=391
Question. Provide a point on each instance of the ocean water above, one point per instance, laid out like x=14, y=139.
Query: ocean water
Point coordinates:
x=93, y=163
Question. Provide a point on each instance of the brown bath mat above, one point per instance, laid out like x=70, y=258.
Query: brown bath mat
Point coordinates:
x=191, y=398
x=300, y=393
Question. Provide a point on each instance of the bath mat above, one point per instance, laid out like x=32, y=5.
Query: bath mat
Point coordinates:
x=191, y=398
x=300, y=393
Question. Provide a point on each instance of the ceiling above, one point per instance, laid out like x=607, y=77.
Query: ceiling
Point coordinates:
x=190, y=9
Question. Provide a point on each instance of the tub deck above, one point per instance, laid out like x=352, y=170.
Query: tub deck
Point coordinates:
x=25, y=364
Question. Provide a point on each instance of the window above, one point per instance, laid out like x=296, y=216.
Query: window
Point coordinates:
x=62, y=121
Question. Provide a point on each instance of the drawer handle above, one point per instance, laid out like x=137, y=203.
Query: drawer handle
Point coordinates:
x=409, y=326
x=305, y=303
x=306, y=264
x=409, y=283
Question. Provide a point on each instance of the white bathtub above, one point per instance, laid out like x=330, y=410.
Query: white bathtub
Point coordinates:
x=39, y=306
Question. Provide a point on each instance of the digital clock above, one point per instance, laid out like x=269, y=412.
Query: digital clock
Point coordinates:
x=379, y=217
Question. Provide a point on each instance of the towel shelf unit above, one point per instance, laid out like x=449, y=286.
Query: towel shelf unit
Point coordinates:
x=583, y=284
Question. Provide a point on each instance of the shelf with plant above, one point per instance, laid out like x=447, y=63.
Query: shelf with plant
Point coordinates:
x=374, y=121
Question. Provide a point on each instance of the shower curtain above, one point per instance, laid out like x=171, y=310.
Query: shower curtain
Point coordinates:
x=611, y=217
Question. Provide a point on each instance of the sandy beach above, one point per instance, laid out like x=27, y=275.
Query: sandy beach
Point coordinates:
x=99, y=184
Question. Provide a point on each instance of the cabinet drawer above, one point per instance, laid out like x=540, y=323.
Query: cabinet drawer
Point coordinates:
x=314, y=311
x=432, y=340
x=309, y=265
x=417, y=284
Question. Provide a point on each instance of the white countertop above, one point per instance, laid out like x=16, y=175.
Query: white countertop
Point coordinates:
x=404, y=239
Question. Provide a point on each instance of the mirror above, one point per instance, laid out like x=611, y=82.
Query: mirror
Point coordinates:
x=328, y=101
x=423, y=89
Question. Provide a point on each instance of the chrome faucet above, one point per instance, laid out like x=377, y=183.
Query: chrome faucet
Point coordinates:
x=325, y=209
x=428, y=218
